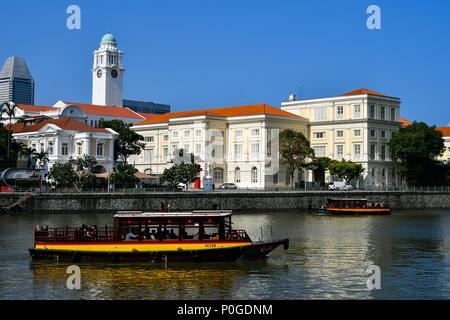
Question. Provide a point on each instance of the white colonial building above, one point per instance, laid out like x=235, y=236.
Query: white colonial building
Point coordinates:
x=356, y=126
x=66, y=137
x=239, y=143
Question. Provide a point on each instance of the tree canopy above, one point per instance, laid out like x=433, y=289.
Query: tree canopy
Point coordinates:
x=295, y=150
x=181, y=173
x=124, y=175
x=344, y=169
x=128, y=142
x=413, y=150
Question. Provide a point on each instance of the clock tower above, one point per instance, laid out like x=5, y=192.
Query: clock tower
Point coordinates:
x=107, y=73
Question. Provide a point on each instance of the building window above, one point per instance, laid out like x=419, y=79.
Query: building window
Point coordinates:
x=50, y=148
x=275, y=178
x=373, y=150
x=166, y=138
x=372, y=111
x=383, y=152
x=237, y=175
x=357, y=133
x=218, y=175
x=148, y=155
x=340, y=113
x=198, y=133
x=393, y=117
x=186, y=148
x=255, y=132
x=198, y=148
x=165, y=154
x=254, y=148
x=373, y=133
x=319, y=151
x=186, y=133
x=174, y=148
x=80, y=149
x=237, y=133
x=356, y=151
x=100, y=149
x=319, y=135
x=339, y=151
x=320, y=114
x=238, y=151
x=340, y=134
x=356, y=111
x=383, y=134
x=149, y=139
x=383, y=113
x=175, y=134
x=254, y=175
x=65, y=149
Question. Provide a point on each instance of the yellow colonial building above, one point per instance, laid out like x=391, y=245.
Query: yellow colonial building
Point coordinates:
x=355, y=126
x=237, y=144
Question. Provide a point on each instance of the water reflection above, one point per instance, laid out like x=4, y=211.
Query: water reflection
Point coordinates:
x=327, y=259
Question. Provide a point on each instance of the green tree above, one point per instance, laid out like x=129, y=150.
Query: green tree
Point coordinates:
x=83, y=167
x=295, y=150
x=181, y=173
x=62, y=174
x=124, y=175
x=41, y=158
x=346, y=170
x=128, y=142
x=413, y=150
x=9, y=108
x=28, y=153
x=319, y=166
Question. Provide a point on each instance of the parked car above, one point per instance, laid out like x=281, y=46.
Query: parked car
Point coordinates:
x=228, y=186
x=340, y=185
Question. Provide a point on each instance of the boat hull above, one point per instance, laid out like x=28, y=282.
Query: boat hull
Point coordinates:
x=355, y=211
x=235, y=253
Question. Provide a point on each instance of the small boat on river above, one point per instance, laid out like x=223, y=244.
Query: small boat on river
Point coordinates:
x=197, y=236
x=351, y=206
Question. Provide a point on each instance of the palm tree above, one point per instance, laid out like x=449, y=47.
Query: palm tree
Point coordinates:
x=9, y=108
x=28, y=153
x=41, y=157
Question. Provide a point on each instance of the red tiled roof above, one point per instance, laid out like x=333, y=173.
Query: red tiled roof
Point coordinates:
x=222, y=112
x=107, y=110
x=445, y=131
x=405, y=122
x=63, y=123
x=362, y=91
x=26, y=107
x=148, y=115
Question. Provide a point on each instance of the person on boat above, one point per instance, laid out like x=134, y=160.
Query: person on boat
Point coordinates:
x=196, y=236
x=130, y=236
x=172, y=234
x=153, y=235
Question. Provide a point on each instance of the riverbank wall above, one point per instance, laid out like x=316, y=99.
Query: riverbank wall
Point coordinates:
x=257, y=201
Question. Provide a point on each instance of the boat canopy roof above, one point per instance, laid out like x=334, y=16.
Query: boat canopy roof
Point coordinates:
x=347, y=199
x=199, y=213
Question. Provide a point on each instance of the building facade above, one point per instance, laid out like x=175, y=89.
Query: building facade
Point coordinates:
x=237, y=144
x=146, y=107
x=356, y=126
x=445, y=157
x=66, y=137
x=16, y=82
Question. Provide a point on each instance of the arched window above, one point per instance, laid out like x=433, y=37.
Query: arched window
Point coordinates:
x=218, y=175
x=254, y=175
x=237, y=175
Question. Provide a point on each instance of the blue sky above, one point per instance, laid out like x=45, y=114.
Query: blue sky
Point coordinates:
x=203, y=53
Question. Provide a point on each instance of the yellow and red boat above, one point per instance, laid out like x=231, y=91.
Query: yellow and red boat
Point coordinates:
x=351, y=206
x=153, y=237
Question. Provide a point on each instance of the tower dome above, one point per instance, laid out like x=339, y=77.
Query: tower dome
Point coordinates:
x=108, y=38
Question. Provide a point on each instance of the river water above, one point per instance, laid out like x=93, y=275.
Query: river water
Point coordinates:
x=328, y=258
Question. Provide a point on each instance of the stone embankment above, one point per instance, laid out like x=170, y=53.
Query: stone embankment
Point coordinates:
x=257, y=201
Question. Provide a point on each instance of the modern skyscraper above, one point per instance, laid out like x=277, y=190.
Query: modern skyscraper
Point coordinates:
x=107, y=73
x=16, y=82
x=147, y=107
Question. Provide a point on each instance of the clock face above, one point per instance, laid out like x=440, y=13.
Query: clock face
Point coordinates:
x=99, y=73
x=114, y=73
